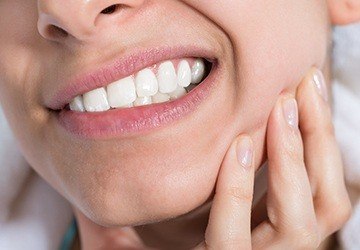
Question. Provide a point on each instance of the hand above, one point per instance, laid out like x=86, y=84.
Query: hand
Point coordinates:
x=306, y=199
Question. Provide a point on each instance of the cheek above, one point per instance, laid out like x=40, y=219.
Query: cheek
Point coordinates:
x=274, y=51
x=275, y=44
x=21, y=70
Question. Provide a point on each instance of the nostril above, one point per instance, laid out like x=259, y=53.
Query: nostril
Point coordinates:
x=57, y=32
x=111, y=9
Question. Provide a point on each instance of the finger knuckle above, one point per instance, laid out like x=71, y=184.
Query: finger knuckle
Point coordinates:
x=310, y=242
x=293, y=154
x=230, y=245
x=339, y=214
x=306, y=238
x=239, y=194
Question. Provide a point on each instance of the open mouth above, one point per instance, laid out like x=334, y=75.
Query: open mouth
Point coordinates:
x=136, y=94
x=159, y=83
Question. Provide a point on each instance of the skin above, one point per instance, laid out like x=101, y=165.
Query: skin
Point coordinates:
x=263, y=53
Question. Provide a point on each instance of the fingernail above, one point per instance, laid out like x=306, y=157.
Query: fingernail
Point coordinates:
x=320, y=84
x=290, y=111
x=244, y=150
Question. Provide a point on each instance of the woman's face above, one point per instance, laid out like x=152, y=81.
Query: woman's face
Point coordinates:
x=120, y=174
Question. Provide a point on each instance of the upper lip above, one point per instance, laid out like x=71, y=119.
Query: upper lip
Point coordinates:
x=120, y=68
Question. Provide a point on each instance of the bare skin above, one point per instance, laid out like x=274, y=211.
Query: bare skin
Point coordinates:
x=264, y=55
x=298, y=211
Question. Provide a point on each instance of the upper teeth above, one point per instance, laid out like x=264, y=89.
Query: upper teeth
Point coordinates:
x=197, y=71
x=143, y=88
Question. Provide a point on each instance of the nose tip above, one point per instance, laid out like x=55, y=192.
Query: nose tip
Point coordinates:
x=77, y=18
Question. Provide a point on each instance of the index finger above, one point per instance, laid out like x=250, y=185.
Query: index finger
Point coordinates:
x=230, y=215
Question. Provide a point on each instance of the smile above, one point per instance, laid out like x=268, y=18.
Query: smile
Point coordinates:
x=156, y=84
x=129, y=102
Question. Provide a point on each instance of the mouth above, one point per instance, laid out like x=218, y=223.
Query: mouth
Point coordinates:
x=164, y=82
x=115, y=103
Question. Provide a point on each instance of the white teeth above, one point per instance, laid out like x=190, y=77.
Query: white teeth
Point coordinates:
x=197, y=71
x=177, y=93
x=143, y=88
x=146, y=83
x=121, y=93
x=96, y=100
x=129, y=105
x=160, y=97
x=141, y=101
x=77, y=104
x=184, y=74
x=167, y=77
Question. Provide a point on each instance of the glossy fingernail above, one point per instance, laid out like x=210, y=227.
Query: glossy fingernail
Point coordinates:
x=320, y=84
x=290, y=111
x=244, y=150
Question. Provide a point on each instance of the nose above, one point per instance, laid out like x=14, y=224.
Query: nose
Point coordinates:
x=80, y=19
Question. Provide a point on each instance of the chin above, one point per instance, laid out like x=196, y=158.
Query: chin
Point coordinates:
x=131, y=190
x=149, y=197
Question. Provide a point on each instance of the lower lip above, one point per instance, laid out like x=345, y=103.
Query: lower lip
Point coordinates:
x=136, y=120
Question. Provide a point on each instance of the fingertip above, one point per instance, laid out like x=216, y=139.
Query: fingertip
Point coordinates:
x=314, y=87
x=319, y=83
x=238, y=163
x=290, y=112
x=245, y=151
x=283, y=121
x=314, y=108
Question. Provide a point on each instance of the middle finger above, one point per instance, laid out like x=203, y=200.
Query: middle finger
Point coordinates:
x=289, y=199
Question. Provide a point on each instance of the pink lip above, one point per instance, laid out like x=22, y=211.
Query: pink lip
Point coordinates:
x=119, y=69
x=136, y=120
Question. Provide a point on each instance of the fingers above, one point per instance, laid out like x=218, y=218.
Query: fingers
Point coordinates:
x=229, y=221
x=307, y=198
x=322, y=155
x=289, y=198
